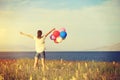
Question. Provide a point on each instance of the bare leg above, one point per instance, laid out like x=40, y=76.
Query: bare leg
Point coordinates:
x=35, y=62
x=43, y=63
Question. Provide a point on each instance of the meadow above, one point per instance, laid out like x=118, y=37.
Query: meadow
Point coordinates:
x=22, y=69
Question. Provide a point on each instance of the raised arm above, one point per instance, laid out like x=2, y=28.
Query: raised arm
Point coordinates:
x=49, y=32
x=28, y=35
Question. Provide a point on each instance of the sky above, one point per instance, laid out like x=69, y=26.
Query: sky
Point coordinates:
x=90, y=24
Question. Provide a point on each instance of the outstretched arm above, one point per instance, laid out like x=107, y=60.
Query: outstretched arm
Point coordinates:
x=28, y=35
x=49, y=32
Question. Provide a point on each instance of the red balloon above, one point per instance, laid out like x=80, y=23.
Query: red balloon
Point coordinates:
x=56, y=33
x=55, y=41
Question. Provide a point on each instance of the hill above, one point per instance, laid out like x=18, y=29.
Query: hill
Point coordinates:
x=114, y=47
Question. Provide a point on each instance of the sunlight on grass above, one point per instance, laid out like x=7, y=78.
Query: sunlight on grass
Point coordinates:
x=22, y=69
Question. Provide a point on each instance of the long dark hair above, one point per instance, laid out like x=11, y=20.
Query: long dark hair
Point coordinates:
x=39, y=34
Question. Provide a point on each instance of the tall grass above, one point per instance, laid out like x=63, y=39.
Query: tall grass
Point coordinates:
x=22, y=69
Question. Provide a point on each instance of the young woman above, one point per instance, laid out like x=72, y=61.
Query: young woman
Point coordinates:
x=39, y=46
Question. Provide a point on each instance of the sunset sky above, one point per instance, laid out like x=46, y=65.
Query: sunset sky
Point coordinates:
x=90, y=24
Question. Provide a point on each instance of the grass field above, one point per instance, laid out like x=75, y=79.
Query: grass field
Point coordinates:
x=22, y=69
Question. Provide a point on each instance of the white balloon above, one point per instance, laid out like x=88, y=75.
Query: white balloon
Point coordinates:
x=59, y=39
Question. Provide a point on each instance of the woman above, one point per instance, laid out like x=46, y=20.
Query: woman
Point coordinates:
x=39, y=46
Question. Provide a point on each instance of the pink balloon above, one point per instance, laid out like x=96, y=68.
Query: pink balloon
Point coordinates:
x=52, y=37
x=62, y=29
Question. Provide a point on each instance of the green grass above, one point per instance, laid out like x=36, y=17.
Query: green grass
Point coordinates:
x=22, y=69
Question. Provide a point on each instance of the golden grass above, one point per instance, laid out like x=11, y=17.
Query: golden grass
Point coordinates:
x=22, y=69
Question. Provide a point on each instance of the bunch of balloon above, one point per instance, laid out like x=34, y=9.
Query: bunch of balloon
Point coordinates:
x=59, y=35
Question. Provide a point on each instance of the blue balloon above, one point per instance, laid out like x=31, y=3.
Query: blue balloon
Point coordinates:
x=63, y=34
